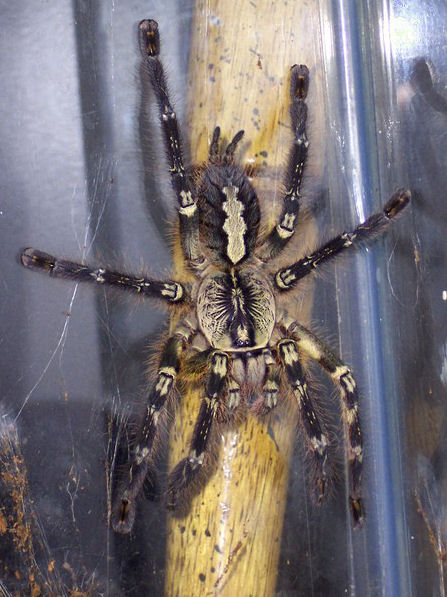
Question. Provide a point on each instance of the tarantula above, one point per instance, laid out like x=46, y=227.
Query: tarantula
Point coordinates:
x=228, y=321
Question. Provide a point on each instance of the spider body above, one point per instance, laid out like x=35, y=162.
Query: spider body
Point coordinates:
x=236, y=310
x=229, y=214
x=229, y=323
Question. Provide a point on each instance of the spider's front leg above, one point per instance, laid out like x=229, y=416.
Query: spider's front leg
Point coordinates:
x=169, y=290
x=341, y=375
x=188, y=211
x=288, y=353
x=187, y=469
x=287, y=277
x=125, y=505
x=283, y=231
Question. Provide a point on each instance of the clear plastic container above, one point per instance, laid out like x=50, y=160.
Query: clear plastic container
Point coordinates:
x=83, y=176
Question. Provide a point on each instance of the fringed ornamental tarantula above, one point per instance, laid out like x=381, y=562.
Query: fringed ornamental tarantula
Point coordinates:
x=228, y=320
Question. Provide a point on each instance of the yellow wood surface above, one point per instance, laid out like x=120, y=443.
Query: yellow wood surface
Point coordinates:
x=240, y=58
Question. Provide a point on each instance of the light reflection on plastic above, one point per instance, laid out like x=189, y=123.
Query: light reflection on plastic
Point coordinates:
x=405, y=34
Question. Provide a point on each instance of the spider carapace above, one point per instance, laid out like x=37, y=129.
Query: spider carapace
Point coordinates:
x=229, y=323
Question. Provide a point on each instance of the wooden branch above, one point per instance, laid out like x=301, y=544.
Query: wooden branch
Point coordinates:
x=240, y=60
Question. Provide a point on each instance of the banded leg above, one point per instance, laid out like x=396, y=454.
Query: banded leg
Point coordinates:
x=271, y=382
x=187, y=469
x=309, y=344
x=234, y=394
x=288, y=352
x=170, y=291
x=287, y=277
x=283, y=231
x=188, y=212
x=125, y=504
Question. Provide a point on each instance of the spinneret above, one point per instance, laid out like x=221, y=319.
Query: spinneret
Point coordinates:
x=230, y=332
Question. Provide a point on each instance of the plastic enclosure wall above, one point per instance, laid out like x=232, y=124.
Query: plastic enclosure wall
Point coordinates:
x=81, y=177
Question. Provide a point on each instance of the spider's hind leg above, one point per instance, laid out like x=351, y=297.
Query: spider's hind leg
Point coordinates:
x=188, y=468
x=341, y=375
x=318, y=442
x=271, y=384
x=124, y=507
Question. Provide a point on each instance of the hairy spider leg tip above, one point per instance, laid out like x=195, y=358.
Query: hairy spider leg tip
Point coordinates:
x=26, y=257
x=321, y=490
x=357, y=511
x=124, y=518
x=397, y=203
x=300, y=81
x=180, y=479
x=33, y=258
x=149, y=38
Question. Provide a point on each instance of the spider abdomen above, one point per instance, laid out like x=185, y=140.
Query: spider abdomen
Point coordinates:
x=236, y=310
